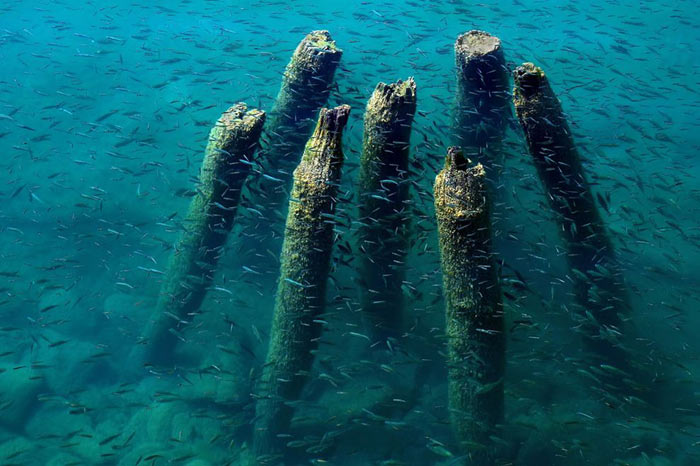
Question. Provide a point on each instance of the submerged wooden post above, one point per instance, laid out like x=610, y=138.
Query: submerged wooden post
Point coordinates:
x=383, y=204
x=474, y=318
x=304, y=270
x=305, y=88
x=227, y=162
x=598, y=283
x=483, y=97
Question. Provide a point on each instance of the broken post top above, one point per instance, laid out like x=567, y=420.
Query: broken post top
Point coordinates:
x=313, y=64
x=332, y=121
x=460, y=190
x=307, y=81
x=319, y=42
x=531, y=86
x=455, y=160
x=546, y=128
x=391, y=100
x=482, y=94
x=318, y=52
x=529, y=80
x=234, y=137
x=323, y=150
x=477, y=44
x=238, y=115
x=239, y=121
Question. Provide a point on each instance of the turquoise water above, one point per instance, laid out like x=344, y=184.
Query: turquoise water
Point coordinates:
x=105, y=110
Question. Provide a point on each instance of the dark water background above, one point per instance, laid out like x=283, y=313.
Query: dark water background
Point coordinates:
x=104, y=114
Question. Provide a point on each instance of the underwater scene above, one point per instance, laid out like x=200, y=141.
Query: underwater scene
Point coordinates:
x=349, y=233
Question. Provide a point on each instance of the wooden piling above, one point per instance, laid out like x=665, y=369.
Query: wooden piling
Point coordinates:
x=384, y=212
x=227, y=163
x=483, y=98
x=598, y=283
x=474, y=311
x=306, y=85
x=304, y=269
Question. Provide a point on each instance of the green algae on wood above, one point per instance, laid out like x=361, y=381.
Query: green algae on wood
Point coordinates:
x=483, y=97
x=305, y=88
x=474, y=311
x=598, y=283
x=383, y=195
x=304, y=269
x=227, y=162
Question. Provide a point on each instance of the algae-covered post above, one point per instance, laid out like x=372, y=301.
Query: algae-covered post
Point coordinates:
x=305, y=88
x=232, y=143
x=598, y=283
x=474, y=316
x=383, y=204
x=304, y=269
x=483, y=98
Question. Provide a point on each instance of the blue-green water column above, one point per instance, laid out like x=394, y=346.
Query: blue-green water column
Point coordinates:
x=227, y=163
x=305, y=264
x=474, y=312
x=601, y=296
x=384, y=209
